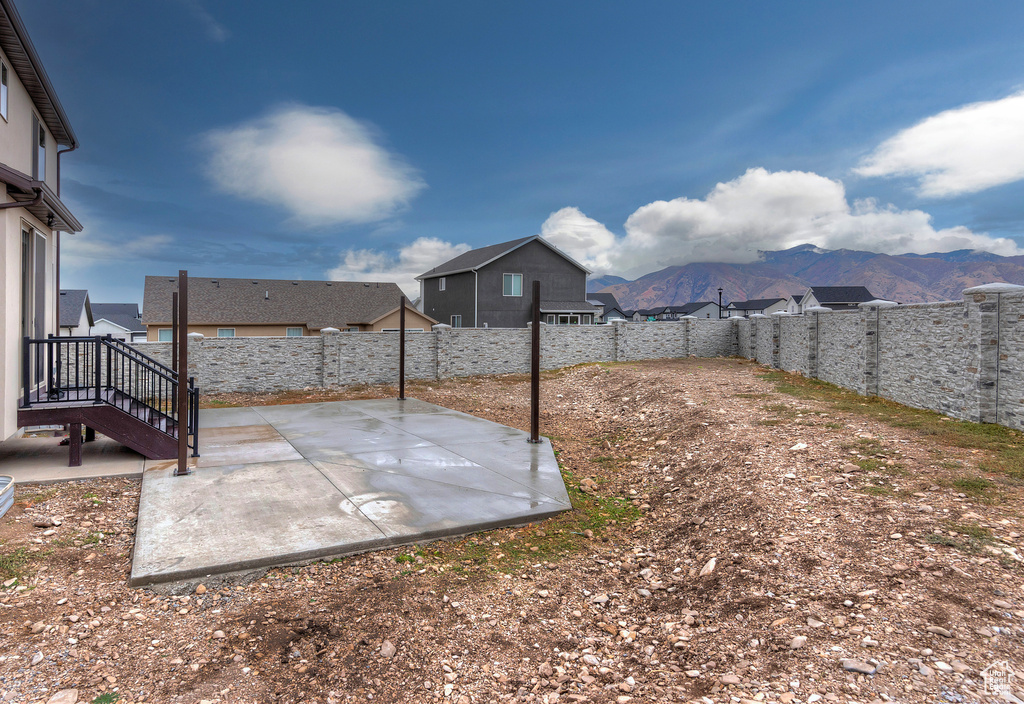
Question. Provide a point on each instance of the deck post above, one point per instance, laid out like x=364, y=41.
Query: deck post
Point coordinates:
x=181, y=390
x=401, y=350
x=535, y=367
x=75, y=446
x=174, y=331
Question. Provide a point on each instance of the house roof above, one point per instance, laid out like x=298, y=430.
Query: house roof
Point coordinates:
x=567, y=307
x=409, y=307
x=72, y=301
x=690, y=307
x=755, y=304
x=797, y=297
x=651, y=311
x=17, y=45
x=476, y=258
x=603, y=299
x=125, y=315
x=841, y=294
x=316, y=304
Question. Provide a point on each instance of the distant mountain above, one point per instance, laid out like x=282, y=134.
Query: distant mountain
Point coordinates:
x=597, y=283
x=907, y=278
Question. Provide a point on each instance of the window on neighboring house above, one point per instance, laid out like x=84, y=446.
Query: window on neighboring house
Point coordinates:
x=225, y=332
x=39, y=149
x=549, y=319
x=293, y=332
x=456, y=321
x=165, y=335
x=351, y=330
x=3, y=90
x=440, y=284
x=512, y=285
x=400, y=330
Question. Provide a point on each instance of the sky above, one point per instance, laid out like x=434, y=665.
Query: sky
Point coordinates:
x=375, y=140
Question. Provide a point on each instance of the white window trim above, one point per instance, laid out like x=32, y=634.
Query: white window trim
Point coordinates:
x=456, y=318
x=441, y=284
x=512, y=295
x=167, y=330
x=5, y=89
x=293, y=328
x=220, y=330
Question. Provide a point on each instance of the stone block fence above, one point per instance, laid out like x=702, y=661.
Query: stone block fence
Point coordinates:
x=962, y=358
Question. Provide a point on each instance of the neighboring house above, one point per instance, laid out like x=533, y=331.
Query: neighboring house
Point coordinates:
x=647, y=315
x=836, y=297
x=272, y=308
x=32, y=216
x=607, y=307
x=75, y=313
x=696, y=309
x=491, y=287
x=763, y=306
x=793, y=304
x=119, y=320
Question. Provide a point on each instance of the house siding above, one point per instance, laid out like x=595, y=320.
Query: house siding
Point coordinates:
x=456, y=299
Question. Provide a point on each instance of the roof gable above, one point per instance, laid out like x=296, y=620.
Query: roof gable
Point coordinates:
x=474, y=259
x=123, y=315
x=72, y=302
x=841, y=294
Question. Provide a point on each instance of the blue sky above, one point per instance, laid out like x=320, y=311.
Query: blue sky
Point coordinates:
x=374, y=140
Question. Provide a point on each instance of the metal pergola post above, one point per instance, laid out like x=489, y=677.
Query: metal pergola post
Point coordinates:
x=535, y=367
x=181, y=392
x=401, y=350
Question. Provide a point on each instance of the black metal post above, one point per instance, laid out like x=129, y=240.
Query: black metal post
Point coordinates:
x=174, y=331
x=535, y=367
x=719, y=302
x=182, y=384
x=26, y=373
x=195, y=415
x=401, y=350
x=97, y=355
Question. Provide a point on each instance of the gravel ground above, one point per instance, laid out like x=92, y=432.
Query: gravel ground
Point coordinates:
x=730, y=543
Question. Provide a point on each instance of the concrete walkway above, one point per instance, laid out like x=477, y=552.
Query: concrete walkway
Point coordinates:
x=279, y=485
x=41, y=460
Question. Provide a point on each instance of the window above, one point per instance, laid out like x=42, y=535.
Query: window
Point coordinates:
x=456, y=321
x=3, y=90
x=165, y=335
x=400, y=330
x=549, y=319
x=440, y=284
x=293, y=332
x=351, y=330
x=512, y=285
x=225, y=332
x=39, y=152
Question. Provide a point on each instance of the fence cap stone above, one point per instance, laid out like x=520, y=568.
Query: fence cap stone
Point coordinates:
x=752, y=316
x=329, y=331
x=196, y=335
x=818, y=309
x=878, y=303
x=780, y=313
x=689, y=317
x=441, y=326
x=994, y=288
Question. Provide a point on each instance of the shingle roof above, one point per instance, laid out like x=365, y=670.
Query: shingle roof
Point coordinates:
x=316, y=304
x=476, y=258
x=124, y=314
x=567, y=306
x=841, y=294
x=605, y=299
x=797, y=297
x=756, y=304
x=689, y=307
x=71, y=303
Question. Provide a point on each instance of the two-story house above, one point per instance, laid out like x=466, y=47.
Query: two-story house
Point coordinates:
x=491, y=287
x=33, y=128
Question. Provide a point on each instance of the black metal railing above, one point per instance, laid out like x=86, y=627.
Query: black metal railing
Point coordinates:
x=102, y=370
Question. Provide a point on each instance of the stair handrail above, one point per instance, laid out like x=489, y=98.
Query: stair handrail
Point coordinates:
x=124, y=346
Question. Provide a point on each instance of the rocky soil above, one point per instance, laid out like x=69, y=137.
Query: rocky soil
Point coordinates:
x=730, y=543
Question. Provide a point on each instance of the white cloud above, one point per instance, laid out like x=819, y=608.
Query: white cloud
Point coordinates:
x=402, y=267
x=958, y=151
x=214, y=29
x=318, y=163
x=584, y=239
x=86, y=246
x=760, y=210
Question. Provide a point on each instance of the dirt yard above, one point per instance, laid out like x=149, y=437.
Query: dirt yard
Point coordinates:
x=739, y=534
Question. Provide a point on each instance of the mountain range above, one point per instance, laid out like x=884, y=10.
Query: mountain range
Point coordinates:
x=907, y=278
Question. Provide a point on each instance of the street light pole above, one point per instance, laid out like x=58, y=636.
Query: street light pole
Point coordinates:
x=719, y=302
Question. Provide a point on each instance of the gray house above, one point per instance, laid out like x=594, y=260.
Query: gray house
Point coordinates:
x=491, y=287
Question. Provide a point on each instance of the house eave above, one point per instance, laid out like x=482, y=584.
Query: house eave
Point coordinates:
x=52, y=211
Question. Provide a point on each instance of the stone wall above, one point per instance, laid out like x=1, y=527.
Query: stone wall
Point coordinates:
x=841, y=349
x=652, y=340
x=792, y=342
x=743, y=341
x=1010, y=375
x=712, y=338
x=762, y=326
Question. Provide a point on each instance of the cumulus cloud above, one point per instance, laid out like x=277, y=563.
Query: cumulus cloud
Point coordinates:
x=584, y=239
x=402, y=266
x=320, y=164
x=958, y=151
x=760, y=210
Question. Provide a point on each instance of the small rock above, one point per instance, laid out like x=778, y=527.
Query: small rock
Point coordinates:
x=895, y=536
x=219, y=635
x=201, y=589
x=543, y=593
x=545, y=669
x=814, y=623
x=708, y=567
x=643, y=592
x=38, y=627
x=388, y=649
x=943, y=667
x=959, y=667
x=939, y=631
x=37, y=658
x=851, y=665
x=798, y=642
x=1004, y=605
x=985, y=633
x=925, y=670
x=799, y=446
x=599, y=599
x=588, y=533
x=64, y=696
x=693, y=673
x=730, y=679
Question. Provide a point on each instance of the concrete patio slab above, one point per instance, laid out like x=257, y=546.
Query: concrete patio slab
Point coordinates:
x=281, y=485
x=42, y=460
